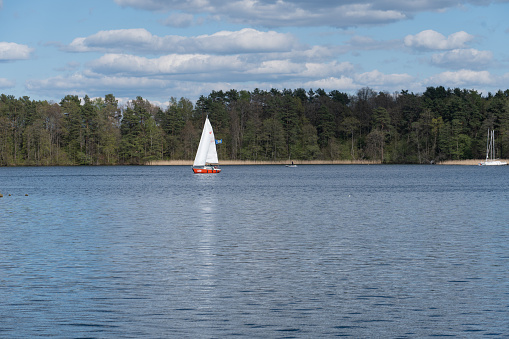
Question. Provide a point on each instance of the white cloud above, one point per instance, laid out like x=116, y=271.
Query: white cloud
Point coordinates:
x=165, y=65
x=366, y=13
x=123, y=87
x=332, y=83
x=202, y=67
x=139, y=40
x=275, y=68
x=245, y=41
x=430, y=39
x=309, y=70
x=93, y=85
x=12, y=51
x=359, y=42
x=127, y=39
x=180, y=20
x=461, y=78
x=334, y=68
x=279, y=13
x=377, y=78
x=6, y=83
x=463, y=58
x=304, y=54
x=139, y=75
x=270, y=13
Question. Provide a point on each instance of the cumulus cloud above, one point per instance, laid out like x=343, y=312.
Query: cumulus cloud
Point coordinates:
x=137, y=61
x=127, y=39
x=270, y=13
x=180, y=20
x=127, y=86
x=334, y=68
x=94, y=85
x=377, y=78
x=165, y=65
x=463, y=58
x=280, y=13
x=461, y=78
x=359, y=42
x=12, y=51
x=136, y=74
x=140, y=40
x=342, y=83
x=430, y=39
x=6, y=83
x=202, y=67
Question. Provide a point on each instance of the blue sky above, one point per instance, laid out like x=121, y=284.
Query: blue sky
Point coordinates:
x=159, y=49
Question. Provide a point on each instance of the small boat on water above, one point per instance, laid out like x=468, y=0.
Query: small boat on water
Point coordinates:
x=206, y=156
x=292, y=165
x=490, y=152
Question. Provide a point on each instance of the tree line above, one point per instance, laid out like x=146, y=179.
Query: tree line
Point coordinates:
x=439, y=124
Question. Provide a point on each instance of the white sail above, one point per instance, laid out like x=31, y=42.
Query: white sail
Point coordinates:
x=206, y=153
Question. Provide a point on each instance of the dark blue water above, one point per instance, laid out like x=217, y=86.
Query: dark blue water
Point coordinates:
x=256, y=251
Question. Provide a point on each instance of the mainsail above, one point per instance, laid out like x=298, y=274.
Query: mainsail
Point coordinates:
x=206, y=153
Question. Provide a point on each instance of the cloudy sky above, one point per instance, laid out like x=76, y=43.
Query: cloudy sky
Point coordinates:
x=159, y=49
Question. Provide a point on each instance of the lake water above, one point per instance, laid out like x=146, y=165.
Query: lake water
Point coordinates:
x=254, y=252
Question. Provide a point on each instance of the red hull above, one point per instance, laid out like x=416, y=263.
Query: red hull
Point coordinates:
x=206, y=170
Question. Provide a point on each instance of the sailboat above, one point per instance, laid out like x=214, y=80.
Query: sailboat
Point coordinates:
x=490, y=152
x=206, y=157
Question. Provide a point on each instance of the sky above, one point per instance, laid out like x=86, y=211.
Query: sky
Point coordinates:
x=158, y=49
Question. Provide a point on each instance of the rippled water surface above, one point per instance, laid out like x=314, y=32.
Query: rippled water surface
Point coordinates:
x=256, y=251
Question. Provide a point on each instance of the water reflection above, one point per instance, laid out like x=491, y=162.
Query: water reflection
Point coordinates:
x=207, y=225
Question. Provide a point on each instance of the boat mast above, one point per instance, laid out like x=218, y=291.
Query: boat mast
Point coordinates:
x=488, y=145
x=493, y=144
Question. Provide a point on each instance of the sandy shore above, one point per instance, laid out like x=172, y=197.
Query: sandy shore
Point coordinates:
x=470, y=162
x=283, y=162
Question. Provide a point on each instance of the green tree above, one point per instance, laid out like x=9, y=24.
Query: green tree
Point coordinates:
x=350, y=126
x=272, y=138
x=141, y=137
x=325, y=127
x=108, y=129
x=6, y=144
x=73, y=141
x=308, y=143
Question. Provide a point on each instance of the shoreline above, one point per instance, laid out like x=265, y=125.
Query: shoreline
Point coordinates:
x=468, y=162
x=278, y=162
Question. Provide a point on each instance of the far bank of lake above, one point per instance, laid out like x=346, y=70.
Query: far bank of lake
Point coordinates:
x=469, y=162
x=278, y=162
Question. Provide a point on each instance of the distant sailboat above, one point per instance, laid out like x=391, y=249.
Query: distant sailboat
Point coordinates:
x=206, y=157
x=490, y=152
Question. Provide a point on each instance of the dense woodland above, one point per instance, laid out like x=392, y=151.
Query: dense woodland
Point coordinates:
x=439, y=124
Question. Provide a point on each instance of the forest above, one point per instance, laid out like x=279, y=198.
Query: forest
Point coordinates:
x=402, y=127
